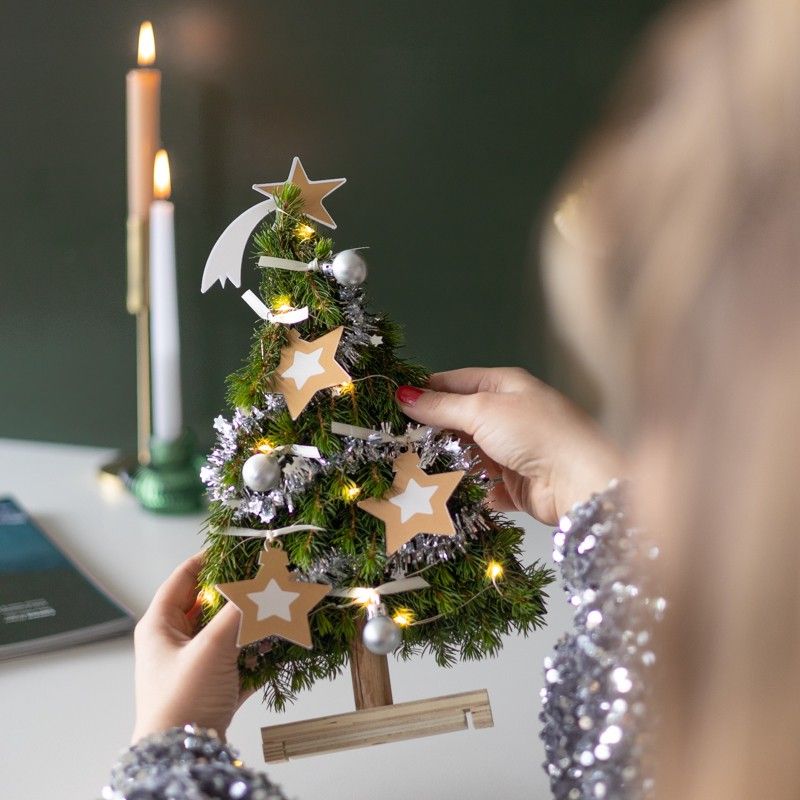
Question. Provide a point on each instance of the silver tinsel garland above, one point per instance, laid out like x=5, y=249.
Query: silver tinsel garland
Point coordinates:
x=256, y=508
x=359, y=326
x=249, y=506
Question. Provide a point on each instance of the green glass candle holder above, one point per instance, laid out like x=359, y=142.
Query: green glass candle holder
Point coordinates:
x=170, y=483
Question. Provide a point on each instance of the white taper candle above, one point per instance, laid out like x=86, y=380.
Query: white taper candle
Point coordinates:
x=164, y=329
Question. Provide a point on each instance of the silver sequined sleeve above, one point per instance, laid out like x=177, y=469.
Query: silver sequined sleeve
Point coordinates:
x=188, y=763
x=596, y=695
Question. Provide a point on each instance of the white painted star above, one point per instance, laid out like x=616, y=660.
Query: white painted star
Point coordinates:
x=376, y=340
x=304, y=366
x=414, y=499
x=273, y=601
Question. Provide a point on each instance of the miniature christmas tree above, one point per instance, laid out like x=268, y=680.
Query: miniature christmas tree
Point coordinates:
x=333, y=518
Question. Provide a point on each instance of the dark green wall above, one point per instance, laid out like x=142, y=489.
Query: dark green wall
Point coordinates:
x=451, y=121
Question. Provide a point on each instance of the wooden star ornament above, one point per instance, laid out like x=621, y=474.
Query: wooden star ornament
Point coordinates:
x=314, y=192
x=273, y=603
x=306, y=367
x=416, y=503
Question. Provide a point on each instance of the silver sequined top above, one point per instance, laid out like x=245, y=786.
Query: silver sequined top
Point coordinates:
x=188, y=763
x=595, y=700
x=596, y=695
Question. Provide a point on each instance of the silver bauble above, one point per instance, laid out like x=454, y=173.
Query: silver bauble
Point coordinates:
x=381, y=635
x=349, y=268
x=261, y=472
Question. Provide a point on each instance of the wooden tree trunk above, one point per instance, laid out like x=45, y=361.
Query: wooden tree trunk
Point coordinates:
x=372, y=686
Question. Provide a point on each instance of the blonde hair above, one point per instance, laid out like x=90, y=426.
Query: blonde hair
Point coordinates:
x=695, y=288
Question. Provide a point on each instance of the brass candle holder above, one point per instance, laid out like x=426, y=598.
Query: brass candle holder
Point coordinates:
x=138, y=304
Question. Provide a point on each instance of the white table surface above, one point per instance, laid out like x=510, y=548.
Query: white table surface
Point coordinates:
x=65, y=715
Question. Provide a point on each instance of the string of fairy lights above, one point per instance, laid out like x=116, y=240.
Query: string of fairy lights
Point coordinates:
x=349, y=274
x=366, y=596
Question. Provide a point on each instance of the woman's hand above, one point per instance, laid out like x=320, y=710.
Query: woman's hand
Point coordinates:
x=547, y=453
x=181, y=677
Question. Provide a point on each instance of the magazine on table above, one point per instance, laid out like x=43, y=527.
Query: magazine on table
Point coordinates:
x=46, y=600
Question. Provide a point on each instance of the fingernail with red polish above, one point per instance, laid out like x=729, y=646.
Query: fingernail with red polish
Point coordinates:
x=408, y=395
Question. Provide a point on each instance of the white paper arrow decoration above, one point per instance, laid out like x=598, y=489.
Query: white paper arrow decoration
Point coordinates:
x=225, y=259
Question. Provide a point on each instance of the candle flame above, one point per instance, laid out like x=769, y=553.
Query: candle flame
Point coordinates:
x=162, y=187
x=147, y=44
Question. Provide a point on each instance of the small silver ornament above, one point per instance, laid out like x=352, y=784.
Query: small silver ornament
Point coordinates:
x=381, y=635
x=349, y=268
x=261, y=472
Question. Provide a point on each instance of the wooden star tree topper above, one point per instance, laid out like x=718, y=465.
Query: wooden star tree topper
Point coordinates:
x=314, y=192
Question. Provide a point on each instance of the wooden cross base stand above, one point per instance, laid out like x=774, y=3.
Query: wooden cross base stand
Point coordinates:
x=378, y=720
